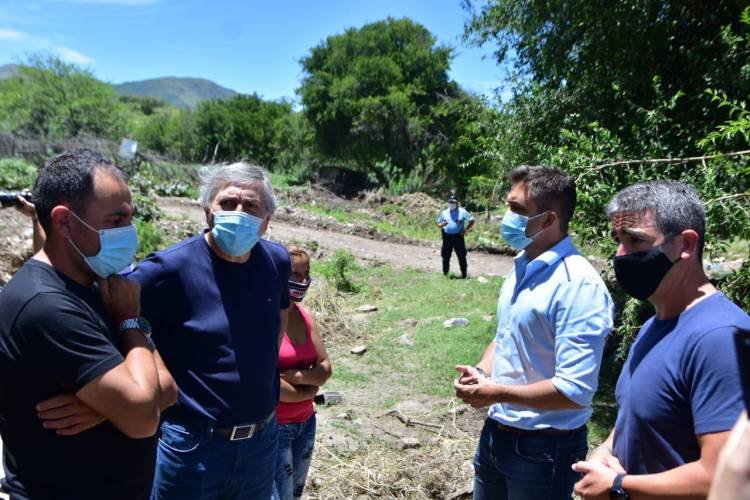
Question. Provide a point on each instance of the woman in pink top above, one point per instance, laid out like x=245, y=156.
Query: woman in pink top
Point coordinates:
x=303, y=367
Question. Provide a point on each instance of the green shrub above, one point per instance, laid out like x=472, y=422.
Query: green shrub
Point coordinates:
x=149, y=238
x=736, y=286
x=16, y=173
x=338, y=271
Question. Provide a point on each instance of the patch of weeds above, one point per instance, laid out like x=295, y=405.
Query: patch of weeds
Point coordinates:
x=16, y=173
x=149, y=238
x=339, y=269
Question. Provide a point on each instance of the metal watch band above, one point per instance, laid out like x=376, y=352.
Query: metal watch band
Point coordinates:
x=129, y=324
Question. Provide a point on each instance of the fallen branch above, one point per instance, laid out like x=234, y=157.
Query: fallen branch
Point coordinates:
x=653, y=161
x=728, y=197
x=408, y=421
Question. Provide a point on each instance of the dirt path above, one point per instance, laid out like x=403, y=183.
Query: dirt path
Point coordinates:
x=395, y=254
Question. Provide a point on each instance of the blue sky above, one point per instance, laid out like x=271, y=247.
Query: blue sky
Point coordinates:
x=246, y=45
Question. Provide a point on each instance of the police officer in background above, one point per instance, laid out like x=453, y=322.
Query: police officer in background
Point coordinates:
x=454, y=222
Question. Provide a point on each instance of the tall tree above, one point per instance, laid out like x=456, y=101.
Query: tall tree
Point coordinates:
x=639, y=68
x=368, y=92
x=54, y=99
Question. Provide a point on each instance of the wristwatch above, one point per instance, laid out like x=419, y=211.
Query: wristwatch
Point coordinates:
x=141, y=324
x=617, y=492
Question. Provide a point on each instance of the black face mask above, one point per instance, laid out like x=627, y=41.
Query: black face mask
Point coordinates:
x=640, y=273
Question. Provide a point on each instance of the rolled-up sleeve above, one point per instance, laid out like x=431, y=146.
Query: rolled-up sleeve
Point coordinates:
x=582, y=315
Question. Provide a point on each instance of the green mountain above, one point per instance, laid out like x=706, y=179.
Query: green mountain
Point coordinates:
x=181, y=92
x=8, y=70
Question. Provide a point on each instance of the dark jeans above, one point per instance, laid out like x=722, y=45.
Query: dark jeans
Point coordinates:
x=453, y=242
x=296, y=443
x=526, y=466
x=194, y=463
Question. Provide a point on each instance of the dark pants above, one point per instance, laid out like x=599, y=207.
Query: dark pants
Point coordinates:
x=453, y=242
x=534, y=466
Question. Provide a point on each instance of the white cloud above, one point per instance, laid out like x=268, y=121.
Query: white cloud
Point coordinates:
x=11, y=35
x=72, y=56
x=35, y=43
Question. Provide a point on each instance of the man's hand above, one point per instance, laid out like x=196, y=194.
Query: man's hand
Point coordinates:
x=67, y=415
x=26, y=207
x=603, y=454
x=121, y=297
x=478, y=391
x=468, y=375
x=596, y=481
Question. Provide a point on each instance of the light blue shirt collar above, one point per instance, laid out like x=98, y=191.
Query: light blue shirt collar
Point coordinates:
x=525, y=269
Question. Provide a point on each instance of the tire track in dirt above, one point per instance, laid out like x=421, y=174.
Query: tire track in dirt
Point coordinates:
x=397, y=255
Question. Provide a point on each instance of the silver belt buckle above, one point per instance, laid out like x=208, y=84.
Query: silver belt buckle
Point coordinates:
x=241, y=432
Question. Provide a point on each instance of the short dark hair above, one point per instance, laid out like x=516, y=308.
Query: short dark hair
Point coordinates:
x=67, y=178
x=676, y=207
x=551, y=189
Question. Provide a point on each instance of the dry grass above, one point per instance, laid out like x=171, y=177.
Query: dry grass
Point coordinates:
x=335, y=325
x=437, y=469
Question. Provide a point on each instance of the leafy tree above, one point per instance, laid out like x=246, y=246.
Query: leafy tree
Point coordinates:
x=54, y=100
x=243, y=126
x=638, y=68
x=368, y=92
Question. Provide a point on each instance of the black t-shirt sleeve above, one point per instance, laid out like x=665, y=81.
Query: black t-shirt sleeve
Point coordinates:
x=70, y=343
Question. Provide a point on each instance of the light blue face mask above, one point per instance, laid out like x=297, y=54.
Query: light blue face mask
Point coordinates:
x=236, y=232
x=513, y=229
x=117, y=247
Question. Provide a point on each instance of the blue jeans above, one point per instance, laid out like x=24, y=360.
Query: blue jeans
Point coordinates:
x=296, y=442
x=526, y=466
x=192, y=462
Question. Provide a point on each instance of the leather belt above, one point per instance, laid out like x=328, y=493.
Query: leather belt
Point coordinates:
x=244, y=431
x=538, y=432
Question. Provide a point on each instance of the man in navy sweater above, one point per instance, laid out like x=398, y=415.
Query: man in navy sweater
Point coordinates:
x=216, y=302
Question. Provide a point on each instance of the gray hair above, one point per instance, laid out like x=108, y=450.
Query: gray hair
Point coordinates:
x=676, y=207
x=213, y=179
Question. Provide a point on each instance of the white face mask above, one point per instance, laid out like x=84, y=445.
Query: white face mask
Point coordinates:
x=452, y=206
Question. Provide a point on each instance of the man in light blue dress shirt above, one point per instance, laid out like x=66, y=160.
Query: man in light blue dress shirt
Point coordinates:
x=540, y=373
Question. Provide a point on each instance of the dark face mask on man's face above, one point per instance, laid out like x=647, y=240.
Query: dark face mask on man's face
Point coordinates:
x=640, y=273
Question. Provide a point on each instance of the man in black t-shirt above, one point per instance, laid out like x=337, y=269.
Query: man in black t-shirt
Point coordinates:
x=82, y=385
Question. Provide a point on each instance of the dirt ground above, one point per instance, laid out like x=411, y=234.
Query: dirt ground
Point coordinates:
x=399, y=255
x=421, y=448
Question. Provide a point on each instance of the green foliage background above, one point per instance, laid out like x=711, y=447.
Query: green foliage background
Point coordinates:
x=594, y=89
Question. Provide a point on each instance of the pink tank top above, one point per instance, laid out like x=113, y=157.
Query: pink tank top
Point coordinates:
x=300, y=356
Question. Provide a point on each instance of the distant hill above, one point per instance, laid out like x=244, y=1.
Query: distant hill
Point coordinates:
x=8, y=70
x=181, y=92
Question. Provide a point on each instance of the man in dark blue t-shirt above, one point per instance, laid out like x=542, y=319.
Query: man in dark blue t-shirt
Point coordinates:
x=216, y=304
x=679, y=392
